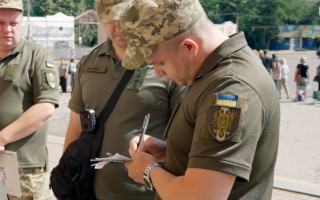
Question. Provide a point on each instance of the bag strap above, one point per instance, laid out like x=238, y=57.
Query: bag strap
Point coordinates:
x=107, y=110
x=102, y=118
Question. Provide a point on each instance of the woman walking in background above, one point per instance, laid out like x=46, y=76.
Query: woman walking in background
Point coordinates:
x=318, y=73
x=302, y=77
x=63, y=72
x=283, y=81
x=73, y=69
x=276, y=73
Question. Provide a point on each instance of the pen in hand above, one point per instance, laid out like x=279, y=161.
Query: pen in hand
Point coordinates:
x=144, y=128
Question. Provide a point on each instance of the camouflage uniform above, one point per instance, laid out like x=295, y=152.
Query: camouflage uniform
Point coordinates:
x=144, y=38
x=14, y=4
x=110, y=10
x=229, y=119
x=34, y=184
x=27, y=77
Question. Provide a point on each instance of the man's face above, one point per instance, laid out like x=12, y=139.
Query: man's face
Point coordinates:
x=115, y=34
x=174, y=65
x=10, y=28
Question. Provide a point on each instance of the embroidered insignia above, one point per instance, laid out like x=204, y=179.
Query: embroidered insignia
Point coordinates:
x=97, y=69
x=49, y=64
x=224, y=117
x=138, y=78
x=51, y=79
x=223, y=122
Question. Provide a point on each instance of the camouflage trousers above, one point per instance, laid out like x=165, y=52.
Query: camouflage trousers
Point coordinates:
x=34, y=183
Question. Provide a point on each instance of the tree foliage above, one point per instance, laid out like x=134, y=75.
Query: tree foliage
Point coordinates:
x=259, y=19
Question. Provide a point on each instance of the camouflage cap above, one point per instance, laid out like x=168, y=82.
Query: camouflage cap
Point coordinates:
x=14, y=4
x=150, y=22
x=110, y=10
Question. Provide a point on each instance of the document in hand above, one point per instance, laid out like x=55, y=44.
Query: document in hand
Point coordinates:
x=9, y=175
x=101, y=162
x=3, y=193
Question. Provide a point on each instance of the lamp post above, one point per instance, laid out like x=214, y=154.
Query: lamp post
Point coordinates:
x=28, y=9
x=237, y=13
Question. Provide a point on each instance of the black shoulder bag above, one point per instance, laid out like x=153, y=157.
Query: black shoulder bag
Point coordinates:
x=72, y=178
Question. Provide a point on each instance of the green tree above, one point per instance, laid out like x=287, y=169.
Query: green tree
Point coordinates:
x=259, y=19
x=50, y=7
x=42, y=8
x=89, y=4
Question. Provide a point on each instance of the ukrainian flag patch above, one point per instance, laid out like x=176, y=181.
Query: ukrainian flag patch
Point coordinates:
x=227, y=100
x=49, y=64
x=225, y=117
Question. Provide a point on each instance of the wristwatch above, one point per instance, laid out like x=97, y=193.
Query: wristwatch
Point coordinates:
x=146, y=175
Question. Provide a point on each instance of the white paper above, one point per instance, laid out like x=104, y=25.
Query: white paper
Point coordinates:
x=9, y=175
x=3, y=193
x=117, y=158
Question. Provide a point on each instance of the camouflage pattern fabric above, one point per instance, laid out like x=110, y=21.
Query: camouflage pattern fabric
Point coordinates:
x=34, y=184
x=110, y=10
x=150, y=22
x=15, y=4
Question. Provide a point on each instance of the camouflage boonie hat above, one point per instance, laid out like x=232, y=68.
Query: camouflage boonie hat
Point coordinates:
x=110, y=10
x=150, y=22
x=14, y=4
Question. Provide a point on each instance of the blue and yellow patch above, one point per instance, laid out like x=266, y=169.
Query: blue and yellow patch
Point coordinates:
x=227, y=100
x=224, y=117
x=49, y=64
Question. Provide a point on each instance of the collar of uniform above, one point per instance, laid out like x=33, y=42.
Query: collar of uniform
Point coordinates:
x=233, y=44
x=107, y=49
x=17, y=49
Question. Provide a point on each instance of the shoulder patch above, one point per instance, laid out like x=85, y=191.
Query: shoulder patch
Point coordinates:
x=227, y=100
x=223, y=122
x=138, y=78
x=225, y=117
x=49, y=64
x=51, y=79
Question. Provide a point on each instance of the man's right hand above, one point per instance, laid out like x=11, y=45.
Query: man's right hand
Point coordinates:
x=151, y=145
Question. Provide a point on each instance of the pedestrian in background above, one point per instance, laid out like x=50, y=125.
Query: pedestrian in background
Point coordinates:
x=28, y=97
x=63, y=72
x=266, y=60
x=283, y=81
x=302, y=79
x=73, y=69
x=98, y=74
x=222, y=141
x=318, y=74
x=276, y=72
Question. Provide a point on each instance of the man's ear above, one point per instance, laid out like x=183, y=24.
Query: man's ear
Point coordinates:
x=190, y=45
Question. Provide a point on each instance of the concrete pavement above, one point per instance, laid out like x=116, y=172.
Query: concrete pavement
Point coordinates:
x=297, y=174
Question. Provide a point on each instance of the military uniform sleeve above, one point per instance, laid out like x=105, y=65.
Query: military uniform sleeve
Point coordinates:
x=45, y=79
x=229, y=123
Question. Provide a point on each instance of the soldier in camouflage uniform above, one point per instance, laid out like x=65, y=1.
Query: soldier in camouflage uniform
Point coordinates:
x=98, y=73
x=222, y=141
x=28, y=97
